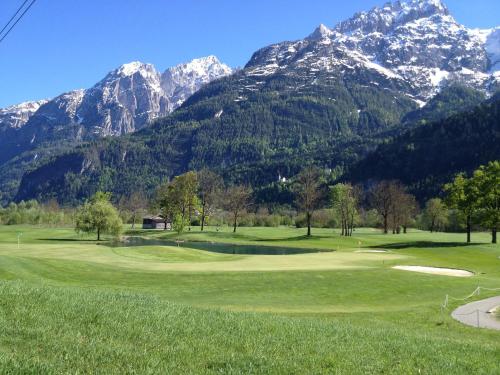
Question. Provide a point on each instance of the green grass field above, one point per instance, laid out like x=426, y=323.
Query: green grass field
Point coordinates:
x=70, y=305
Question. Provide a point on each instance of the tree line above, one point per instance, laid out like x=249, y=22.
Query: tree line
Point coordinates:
x=202, y=198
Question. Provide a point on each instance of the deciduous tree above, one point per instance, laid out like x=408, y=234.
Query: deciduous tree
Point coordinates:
x=344, y=198
x=210, y=187
x=178, y=197
x=186, y=186
x=462, y=194
x=403, y=208
x=381, y=199
x=487, y=182
x=408, y=209
x=236, y=201
x=135, y=204
x=167, y=202
x=308, y=193
x=98, y=216
x=435, y=214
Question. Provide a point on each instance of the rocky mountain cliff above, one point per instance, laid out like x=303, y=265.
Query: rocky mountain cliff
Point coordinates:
x=328, y=99
x=415, y=44
x=126, y=100
x=14, y=117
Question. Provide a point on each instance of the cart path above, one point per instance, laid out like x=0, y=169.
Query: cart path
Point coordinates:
x=472, y=312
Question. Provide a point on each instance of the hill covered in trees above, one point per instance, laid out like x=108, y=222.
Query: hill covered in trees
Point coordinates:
x=328, y=99
x=427, y=156
x=252, y=140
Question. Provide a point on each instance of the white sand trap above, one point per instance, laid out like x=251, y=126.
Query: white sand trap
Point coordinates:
x=435, y=271
x=494, y=310
x=371, y=251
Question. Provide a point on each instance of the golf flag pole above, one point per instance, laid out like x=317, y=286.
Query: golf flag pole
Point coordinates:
x=19, y=234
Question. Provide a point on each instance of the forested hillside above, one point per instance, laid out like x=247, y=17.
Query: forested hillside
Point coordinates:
x=428, y=156
x=328, y=99
x=251, y=139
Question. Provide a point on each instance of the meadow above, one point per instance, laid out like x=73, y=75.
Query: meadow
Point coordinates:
x=71, y=305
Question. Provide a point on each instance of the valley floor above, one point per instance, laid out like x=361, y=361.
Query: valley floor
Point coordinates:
x=69, y=304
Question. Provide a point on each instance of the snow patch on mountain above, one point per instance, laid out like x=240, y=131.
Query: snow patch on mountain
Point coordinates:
x=16, y=116
x=132, y=68
x=181, y=81
x=417, y=43
x=492, y=45
x=379, y=68
x=127, y=99
x=321, y=32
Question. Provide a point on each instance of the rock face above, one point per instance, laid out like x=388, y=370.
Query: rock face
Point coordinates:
x=413, y=46
x=182, y=81
x=329, y=97
x=16, y=116
x=416, y=42
x=126, y=100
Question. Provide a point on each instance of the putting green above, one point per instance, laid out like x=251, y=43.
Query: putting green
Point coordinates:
x=65, y=295
x=179, y=259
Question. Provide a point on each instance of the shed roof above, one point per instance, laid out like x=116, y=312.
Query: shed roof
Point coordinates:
x=155, y=218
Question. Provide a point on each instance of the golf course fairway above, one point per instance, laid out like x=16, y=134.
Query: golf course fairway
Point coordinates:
x=71, y=305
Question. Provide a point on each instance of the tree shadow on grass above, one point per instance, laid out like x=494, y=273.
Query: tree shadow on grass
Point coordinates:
x=422, y=245
x=67, y=240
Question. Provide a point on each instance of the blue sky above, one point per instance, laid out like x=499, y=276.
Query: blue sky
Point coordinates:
x=67, y=44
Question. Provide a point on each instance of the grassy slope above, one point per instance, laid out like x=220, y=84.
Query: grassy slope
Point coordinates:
x=351, y=320
x=123, y=333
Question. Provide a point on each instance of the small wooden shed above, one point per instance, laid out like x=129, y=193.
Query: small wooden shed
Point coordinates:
x=156, y=222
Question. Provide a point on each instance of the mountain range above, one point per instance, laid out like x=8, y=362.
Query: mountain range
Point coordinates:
x=415, y=44
x=330, y=99
x=126, y=100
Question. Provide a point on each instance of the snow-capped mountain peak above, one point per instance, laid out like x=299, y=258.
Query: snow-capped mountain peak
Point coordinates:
x=423, y=6
x=127, y=99
x=134, y=67
x=147, y=71
x=16, y=116
x=321, y=32
x=386, y=18
x=201, y=67
x=415, y=44
x=181, y=81
x=492, y=46
x=420, y=41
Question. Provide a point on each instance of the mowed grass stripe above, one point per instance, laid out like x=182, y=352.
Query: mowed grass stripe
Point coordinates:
x=86, y=308
x=127, y=333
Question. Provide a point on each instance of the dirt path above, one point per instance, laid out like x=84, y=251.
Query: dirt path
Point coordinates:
x=478, y=314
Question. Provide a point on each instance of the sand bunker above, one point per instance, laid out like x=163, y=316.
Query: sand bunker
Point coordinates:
x=435, y=271
x=494, y=311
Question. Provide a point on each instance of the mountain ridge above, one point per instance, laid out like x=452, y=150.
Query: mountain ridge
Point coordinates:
x=189, y=79
x=418, y=42
x=328, y=99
